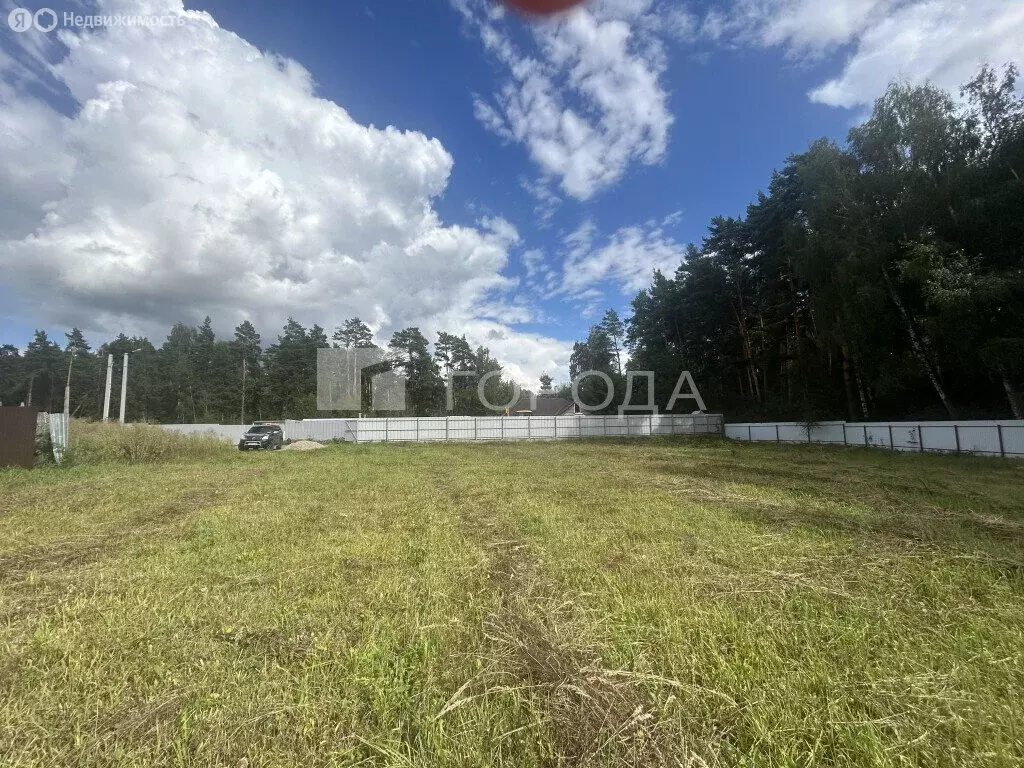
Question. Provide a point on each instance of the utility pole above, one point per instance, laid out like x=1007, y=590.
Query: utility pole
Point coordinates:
x=67, y=387
x=124, y=385
x=106, y=394
x=243, y=387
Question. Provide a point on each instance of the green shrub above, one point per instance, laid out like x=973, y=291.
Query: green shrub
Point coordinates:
x=98, y=443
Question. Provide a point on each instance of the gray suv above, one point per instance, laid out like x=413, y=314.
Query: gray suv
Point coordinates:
x=262, y=437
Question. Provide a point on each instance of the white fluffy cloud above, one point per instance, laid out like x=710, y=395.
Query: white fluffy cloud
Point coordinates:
x=806, y=24
x=627, y=259
x=199, y=176
x=942, y=41
x=595, y=271
x=584, y=94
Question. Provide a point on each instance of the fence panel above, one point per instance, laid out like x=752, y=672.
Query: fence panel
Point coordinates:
x=986, y=438
x=1012, y=439
x=18, y=435
x=569, y=427
x=938, y=438
x=792, y=433
x=60, y=435
x=830, y=433
x=227, y=432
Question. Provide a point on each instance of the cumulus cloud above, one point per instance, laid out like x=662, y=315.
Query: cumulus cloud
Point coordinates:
x=627, y=259
x=805, y=24
x=594, y=271
x=583, y=93
x=942, y=41
x=198, y=175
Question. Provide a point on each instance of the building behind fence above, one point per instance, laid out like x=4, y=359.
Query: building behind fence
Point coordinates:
x=477, y=428
x=985, y=438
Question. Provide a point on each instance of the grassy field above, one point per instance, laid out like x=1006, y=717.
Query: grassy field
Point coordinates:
x=601, y=603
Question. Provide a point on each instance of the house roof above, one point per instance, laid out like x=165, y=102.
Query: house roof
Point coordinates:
x=546, y=406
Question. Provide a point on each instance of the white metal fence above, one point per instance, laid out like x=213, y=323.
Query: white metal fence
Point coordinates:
x=477, y=428
x=985, y=438
x=229, y=432
x=57, y=426
x=60, y=435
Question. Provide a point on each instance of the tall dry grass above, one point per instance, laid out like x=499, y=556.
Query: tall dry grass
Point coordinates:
x=94, y=442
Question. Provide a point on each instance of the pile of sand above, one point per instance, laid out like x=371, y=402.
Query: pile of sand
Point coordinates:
x=303, y=445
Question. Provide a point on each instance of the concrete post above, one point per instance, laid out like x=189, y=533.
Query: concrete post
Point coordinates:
x=106, y=395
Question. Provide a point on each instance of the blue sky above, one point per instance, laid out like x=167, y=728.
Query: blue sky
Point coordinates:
x=536, y=176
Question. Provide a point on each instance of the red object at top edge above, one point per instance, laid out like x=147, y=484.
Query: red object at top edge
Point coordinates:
x=542, y=7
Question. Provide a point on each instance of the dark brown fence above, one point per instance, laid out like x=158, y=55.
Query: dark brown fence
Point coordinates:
x=17, y=436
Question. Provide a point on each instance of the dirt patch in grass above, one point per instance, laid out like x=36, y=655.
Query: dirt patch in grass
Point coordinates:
x=303, y=445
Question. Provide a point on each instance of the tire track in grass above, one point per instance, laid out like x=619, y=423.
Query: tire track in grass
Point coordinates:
x=541, y=645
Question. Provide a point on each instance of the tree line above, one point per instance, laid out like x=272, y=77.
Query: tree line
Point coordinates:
x=879, y=279
x=194, y=377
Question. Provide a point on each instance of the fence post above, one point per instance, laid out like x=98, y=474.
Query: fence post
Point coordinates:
x=920, y=439
x=749, y=438
x=892, y=445
x=417, y=430
x=956, y=434
x=1002, y=447
x=865, y=435
x=777, y=440
x=845, y=441
x=650, y=425
x=502, y=428
x=529, y=427
x=556, y=427
x=474, y=427
x=446, y=429
x=387, y=433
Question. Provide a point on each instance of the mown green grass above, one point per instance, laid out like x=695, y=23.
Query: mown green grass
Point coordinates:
x=648, y=602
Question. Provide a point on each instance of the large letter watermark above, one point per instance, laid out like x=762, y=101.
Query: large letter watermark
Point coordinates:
x=651, y=406
x=339, y=380
x=517, y=392
x=576, y=390
x=449, y=387
x=693, y=394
